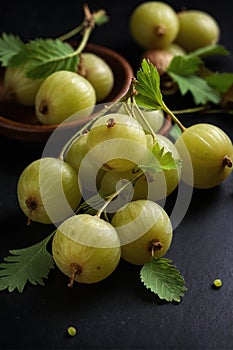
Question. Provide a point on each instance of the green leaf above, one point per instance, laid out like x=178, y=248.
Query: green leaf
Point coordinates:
x=162, y=278
x=184, y=71
x=10, y=45
x=210, y=50
x=148, y=86
x=29, y=264
x=158, y=160
x=201, y=91
x=42, y=57
x=220, y=81
x=184, y=65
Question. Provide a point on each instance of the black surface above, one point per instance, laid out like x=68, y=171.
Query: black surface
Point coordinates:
x=119, y=313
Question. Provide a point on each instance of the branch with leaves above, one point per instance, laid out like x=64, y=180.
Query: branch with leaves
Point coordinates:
x=41, y=57
x=207, y=88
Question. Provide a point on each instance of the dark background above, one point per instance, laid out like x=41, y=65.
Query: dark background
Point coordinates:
x=119, y=313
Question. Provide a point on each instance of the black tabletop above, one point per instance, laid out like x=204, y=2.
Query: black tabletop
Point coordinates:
x=119, y=312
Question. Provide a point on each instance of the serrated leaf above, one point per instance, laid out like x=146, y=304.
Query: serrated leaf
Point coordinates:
x=184, y=65
x=42, y=57
x=10, y=45
x=158, y=159
x=162, y=278
x=210, y=50
x=220, y=81
x=201, y=91
x=30, y=264
x=148, y=86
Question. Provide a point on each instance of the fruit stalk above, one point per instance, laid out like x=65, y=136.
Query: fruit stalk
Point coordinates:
x=115, y=194
x=174, y=118
x=89, y=22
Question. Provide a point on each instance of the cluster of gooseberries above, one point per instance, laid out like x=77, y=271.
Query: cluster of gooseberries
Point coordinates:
x=105, y=190
x=87, y=247
x=164, y=32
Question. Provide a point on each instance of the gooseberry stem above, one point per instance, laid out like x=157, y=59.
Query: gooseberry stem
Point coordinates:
x=115, y=194
x=154, y=246
x=191, y=110
x=203, y=110
x=88, y=22
x=174, y=118
x=144, y=120
x=71, y=33
x=75, y=269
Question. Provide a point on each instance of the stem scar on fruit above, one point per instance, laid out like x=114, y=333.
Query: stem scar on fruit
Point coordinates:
x=160, y=30
x=75, y=270
x=227, y=161
x=110, y=123
x=31, y=204
x=154, y=245
x=43, y=108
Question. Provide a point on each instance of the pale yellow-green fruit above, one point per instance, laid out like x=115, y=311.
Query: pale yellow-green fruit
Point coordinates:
x=48, y=190
x=63, y=94
x=209, y=150
x=154, y=24
x=86, y=248
x=90, y=174
x=98, y=72
x=117, y=142
x=144, y=229
x=196, y=29
x=19, y=88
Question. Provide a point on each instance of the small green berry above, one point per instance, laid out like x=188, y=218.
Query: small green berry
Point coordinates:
x=217, y=283
x=71, y=331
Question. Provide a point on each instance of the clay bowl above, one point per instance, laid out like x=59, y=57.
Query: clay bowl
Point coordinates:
x=20, y=123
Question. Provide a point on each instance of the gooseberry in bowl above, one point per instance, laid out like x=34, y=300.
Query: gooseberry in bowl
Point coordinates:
x=62, y=94
x=18, y=88
x=20, y=122
x=96, y=70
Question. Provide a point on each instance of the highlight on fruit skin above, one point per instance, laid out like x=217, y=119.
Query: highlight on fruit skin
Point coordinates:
x=210, y=150
x=154, y=24
x=48, y=190
x=86, y=248
x=144, y=229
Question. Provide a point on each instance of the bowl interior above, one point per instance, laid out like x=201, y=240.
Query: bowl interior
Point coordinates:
x=20, y=122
